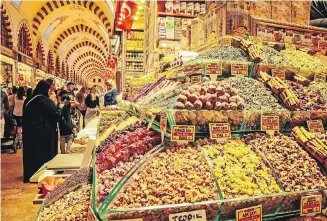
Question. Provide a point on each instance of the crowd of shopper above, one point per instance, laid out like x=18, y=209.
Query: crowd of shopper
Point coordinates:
x=46, y=112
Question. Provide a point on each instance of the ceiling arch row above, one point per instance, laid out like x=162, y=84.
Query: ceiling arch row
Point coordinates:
x=85, y=44
x=89, y=63
x=87, y=55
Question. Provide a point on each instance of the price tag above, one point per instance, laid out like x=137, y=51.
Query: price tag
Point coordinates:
x=320, y=77
x=290, y=46
x=214, y=70
x=90, y=215
x=277, y=72
x=153, y=116
x=196, y=79
x=219, y=130
x=183, y=133
x=240, y=70
x=197, y=215
x=226, y=41
x=249, y=214
x=310, y=205
x=315, y=126
x=269, y=123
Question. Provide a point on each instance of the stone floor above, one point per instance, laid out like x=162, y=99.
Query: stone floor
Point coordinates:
x=16, y=197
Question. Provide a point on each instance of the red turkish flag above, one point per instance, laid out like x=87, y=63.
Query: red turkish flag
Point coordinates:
x=112, y=60
x=125, y=14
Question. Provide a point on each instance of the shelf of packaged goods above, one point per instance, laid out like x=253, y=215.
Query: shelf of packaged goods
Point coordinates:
x=135, y=50
x=176, y=15
x=132, y=60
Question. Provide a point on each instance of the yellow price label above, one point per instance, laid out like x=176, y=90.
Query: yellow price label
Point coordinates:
x=249, y=214
x=269, y=123
x=219, y=130
x=278, y=72
x=315, y=126
x=183, y=133
x=240, y=70
x=310, y=205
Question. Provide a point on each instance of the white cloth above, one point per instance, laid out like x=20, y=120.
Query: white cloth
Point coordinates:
x=18, y=109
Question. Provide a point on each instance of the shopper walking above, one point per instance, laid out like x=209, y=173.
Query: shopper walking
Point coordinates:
x=80, y=98
x=52, y=89
x=40, y=136
x=12, y=96
x=66, y=126
x=4, y=110
x=18, y=103
x=112, y=92
x=92, y=104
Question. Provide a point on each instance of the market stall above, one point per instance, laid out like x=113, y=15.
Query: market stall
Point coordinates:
x=7, y=61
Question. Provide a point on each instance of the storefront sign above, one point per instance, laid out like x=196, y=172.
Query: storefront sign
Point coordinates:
x=315, y=126
x=214, y=68
x=278, y=72
x=310, y=205
x=197, y=215
x=196, y=79
x=249, y=214
x=183, y=133
x=27, y=60
x=320, y=77
x=8, y=52
x=269, y=123
x=240, y=70
x=219, y=130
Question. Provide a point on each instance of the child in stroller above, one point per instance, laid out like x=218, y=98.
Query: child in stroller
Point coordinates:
x=10, y=138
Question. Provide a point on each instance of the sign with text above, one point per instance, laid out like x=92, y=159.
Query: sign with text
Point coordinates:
x=183, y=133
x=219, y=130
x=240, y=70
x=315, y=126
x=269, y=123
x=278, y=72
x=249, y=214
x=214, y=68
x=197, y=215
x=310, y=205
x=196, y=79
x=320, y=77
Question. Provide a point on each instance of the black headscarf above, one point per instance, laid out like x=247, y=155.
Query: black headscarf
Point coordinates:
x=42, y=88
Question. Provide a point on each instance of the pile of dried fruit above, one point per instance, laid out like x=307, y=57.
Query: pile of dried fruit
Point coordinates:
x=239, y=170
x=210, y=95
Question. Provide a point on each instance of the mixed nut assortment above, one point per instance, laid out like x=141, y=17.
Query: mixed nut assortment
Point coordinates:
x=225, y=53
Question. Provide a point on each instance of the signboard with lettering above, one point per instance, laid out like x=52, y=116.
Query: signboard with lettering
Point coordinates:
x=310, y=205
x=214, y=70
x=196, y=79
x=269, y=123
x=249, y=214
x=278, y=72
x=240, y=70
x=219, y=130
x=315, y=126
x=197, y=215
x=183, y=133
x=8, y=52
x=27, y=60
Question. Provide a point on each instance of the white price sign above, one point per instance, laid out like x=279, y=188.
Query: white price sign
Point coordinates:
x=197, y=215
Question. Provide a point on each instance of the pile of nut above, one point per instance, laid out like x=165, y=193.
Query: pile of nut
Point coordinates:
x=320, y=88
x=296, y=169
x=71, y=207
x=180, y=174
x=239, y=170
x=225, y=53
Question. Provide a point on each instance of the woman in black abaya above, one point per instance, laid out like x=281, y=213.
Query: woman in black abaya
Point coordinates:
x=40, y=137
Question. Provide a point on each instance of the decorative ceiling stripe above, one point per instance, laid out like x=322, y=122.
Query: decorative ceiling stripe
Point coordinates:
x=7, y=25
x=89, y=44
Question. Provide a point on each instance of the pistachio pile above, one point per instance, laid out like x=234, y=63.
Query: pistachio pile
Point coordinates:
x=225, y=53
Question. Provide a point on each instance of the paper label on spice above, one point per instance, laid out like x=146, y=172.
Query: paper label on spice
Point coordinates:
x=196, y=79
x=219, y=130
x=269, y=123
x=183, y=133
x=197, y=215
x=315, y=126
x=249, y=214
x=214, y=68
x=278, y=72
x=226, y=41
x=311, y=205
x=240, y=70
x=320, y=77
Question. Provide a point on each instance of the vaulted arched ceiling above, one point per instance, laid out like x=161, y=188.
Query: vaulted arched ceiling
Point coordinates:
x=75, y=30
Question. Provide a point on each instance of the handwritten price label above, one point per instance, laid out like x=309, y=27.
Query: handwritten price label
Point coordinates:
x=249, y=214
x=280, y=73
x=219, y=130
x=269, y=123
x=320, y=77
x=240, y=70
x=183, y=133
x=197, y=215
x=315, y=126
x=195, y=79
x=311, y=205
x=214, y=68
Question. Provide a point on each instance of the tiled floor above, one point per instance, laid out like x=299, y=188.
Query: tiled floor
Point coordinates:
x=16, y=197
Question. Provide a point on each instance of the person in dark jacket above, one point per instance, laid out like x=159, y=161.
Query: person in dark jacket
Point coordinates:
x=112, y=92
x=40, y=136
x=66, y=126
x=92, y=99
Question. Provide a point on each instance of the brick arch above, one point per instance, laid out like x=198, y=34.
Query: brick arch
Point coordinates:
x=76, y=29
x=89, y=63
x=40, y=49
x=51, y=6
x=50, y=61
x=88, y=67
x=5, y=20
x=25, y=31
x=86, y=44
x=88, y=54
